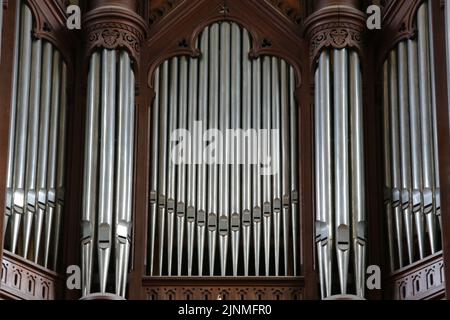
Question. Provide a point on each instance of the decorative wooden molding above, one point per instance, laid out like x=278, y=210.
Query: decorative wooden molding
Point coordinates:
x=223, y=289
x=50, y=24
x=113, y=28
x=335, y=27
x=265, y=41
x=423, y=280
x=22, y=279
x=398, y=24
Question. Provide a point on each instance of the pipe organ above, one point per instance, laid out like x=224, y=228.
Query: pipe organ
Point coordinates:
x=108, y=172
x=224, y=149
x=232, y=208
x=37, y=143
x=339, y=170
x=412, y=184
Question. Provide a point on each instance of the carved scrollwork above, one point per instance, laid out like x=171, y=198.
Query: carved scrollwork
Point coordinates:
x=112, y=35
x=121, y=28
x=331, y=28
x=335, y=35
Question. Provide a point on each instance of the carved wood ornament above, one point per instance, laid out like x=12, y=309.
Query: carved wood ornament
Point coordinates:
x=113, y=28
x=338, y=29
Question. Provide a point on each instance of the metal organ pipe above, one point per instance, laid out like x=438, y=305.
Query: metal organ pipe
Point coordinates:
x=203, y=116
x=106, y=168
x=181, y=172
x=416, y=158
x=339, y=207
x=52, y=155
x=235, y=150
x=220, y=98
x=405, y=147
x=247, y=148
x=411, y=140
x=20, y=149
x=256, y=177
x=108, y=184
x=387, y=166
x=33, y=143
x=358, y=177
x=12, y=127
x=395, y=156
x=426, y=122
x=342, y=193
x=90, y=188
x=36, y=146
x=193, y=158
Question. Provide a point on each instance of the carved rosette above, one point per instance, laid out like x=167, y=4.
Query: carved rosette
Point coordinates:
x=114, y=29
x=335, y=27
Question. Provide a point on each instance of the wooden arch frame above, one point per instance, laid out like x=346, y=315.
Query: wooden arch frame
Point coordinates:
x=175, y=35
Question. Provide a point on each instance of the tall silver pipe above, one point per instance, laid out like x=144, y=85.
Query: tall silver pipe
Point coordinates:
x=154, y=171
x=193, y=150
x=320, y=224
x=171, y=172
x=276, y=160
x=44, y=131
x=405, y=147
x=256, y=177
x=12, y=127
x=326, y=178
x=202, y=168
x=437, y=183
x=342, y=193
x=285, y=160
x=294, y=169
x=162, y=163
x=60, y=171
x=21, y=125
x=130, y=179
x=224, y=151
x=121, y=224
x=213, y=173
x=90, y=172
x=235, y=150
x=107, y=156
x=247, y=149
x=426, y=122
x=32, y=148
x=416, y=156
x=358, y=178
x=387, y=164
x=395, y=154
x=181, y=172
x=52, y=155
x=265, y=153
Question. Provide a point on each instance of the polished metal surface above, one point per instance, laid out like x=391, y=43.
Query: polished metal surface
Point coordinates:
x=359, y=223
x=387, y=165
x=341, y=161
x=33, y=143
x=426, y=123
x=416, y=157
x=107, y=165
x=222, y=98
x=405, y=148
x=90, y=187
x=22, y=112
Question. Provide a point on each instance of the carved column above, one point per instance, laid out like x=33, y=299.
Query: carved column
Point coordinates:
x=335, y=30
x=114, y=34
